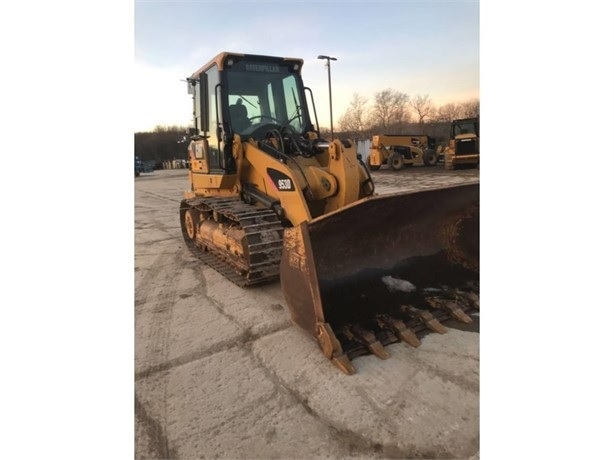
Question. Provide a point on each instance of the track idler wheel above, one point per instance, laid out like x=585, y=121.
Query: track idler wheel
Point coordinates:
x=190, y=223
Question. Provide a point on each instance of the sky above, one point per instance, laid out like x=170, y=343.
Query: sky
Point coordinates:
x=416, y=47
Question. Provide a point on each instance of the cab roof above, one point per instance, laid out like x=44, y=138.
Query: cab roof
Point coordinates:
x=220, y=60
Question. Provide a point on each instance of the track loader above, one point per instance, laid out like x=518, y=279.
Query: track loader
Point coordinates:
x=270, y=199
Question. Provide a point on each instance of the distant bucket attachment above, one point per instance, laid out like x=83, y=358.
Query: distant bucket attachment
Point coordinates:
x=384, y=269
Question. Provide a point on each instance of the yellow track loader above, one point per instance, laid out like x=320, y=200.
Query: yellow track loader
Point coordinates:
x=270, y=199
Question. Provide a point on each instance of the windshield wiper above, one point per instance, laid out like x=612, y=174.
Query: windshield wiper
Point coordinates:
x=297, y=113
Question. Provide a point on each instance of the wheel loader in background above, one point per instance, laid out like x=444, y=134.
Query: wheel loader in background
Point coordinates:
x=464, y=145
x=270, y=199
x=400, y=150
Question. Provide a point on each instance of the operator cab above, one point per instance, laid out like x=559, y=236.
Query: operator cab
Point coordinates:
x=253, y=96
x=264, y=93
x=465, y=126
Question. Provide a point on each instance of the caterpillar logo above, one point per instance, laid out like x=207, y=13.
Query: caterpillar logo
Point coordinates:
x=270, y=68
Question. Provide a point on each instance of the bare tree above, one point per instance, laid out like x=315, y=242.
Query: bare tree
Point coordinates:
x=423, y=107
x=389, y=109
x=471, y=108
x=354, y=120
x=449, y=112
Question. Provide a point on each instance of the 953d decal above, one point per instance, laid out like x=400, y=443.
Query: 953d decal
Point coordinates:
x=282, y=182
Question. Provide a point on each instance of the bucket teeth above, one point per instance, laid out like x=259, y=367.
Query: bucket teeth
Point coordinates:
x=378, y=350
x=343, y=363
x=401, y=331
x=473, y=299
x=457, y=312
x=467, y=299
x=332, y=348
x=426, y=318
x=367, y=338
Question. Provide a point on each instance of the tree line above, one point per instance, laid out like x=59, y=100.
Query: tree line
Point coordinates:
x=164, y=143
x=392, y=112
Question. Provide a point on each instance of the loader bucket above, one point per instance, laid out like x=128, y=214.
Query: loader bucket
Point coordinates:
x=385, y=269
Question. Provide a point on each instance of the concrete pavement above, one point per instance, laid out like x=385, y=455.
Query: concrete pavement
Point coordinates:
x=222, y=373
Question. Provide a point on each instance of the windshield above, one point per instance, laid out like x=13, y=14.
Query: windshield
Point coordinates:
x=264, y=93
x=466, y=127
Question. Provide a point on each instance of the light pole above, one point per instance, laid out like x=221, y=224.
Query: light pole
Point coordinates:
x=330, y=91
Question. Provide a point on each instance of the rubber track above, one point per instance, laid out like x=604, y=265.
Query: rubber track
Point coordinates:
x=263, y=234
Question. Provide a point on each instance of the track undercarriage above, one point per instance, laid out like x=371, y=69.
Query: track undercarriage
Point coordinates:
x=241, y=241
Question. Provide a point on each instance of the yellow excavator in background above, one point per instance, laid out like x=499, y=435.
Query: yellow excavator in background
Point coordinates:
x=270, y=199
x=400, y=150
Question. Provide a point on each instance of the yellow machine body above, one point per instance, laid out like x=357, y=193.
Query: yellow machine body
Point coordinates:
x=464, y=146
x=401, y=150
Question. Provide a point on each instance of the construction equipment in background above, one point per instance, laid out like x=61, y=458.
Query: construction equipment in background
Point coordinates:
x=143, y=167
x=138, y=166
x=270, y=199
x=401, y=150
x=463, y=148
